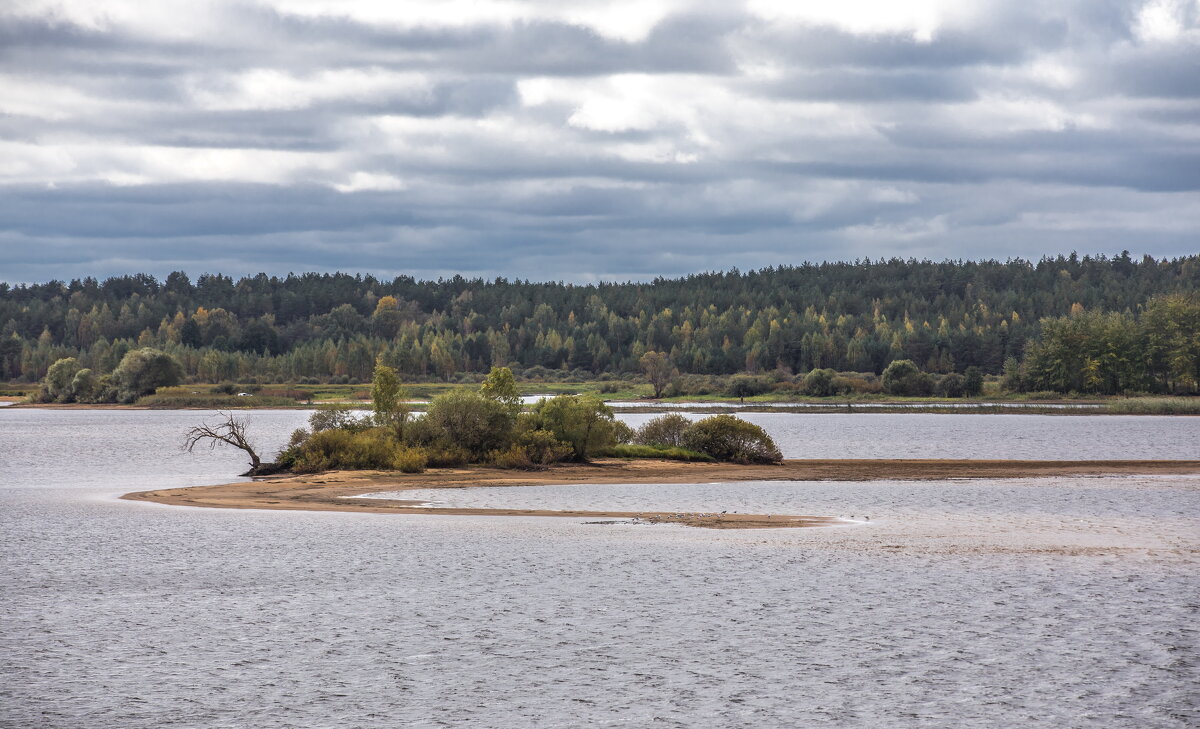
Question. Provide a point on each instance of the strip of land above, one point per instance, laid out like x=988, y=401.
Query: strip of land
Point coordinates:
x=331, y=491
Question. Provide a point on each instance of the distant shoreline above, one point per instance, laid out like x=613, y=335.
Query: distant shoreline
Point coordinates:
x=332, y=491
x=634, y=407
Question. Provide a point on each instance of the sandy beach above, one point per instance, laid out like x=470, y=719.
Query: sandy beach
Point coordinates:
x=332, y=491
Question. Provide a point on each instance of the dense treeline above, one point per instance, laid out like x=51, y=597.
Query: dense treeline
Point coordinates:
x=1155, y=350
x=945, y=317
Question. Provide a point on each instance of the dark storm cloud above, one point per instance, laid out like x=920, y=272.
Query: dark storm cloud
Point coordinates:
x=551, y=148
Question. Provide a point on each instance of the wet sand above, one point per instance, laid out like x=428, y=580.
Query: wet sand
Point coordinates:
x=331, y=491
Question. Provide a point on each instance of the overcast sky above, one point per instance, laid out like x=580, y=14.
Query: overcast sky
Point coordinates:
x=586, y=140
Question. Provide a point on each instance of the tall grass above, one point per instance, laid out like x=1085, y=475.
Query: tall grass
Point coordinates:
x=185, y=397
x=1155, y=406
x=626, y=450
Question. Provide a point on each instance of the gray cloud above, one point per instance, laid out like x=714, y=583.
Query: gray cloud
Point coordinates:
x=549, y=148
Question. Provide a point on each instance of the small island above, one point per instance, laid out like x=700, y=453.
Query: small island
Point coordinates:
x=484, y=437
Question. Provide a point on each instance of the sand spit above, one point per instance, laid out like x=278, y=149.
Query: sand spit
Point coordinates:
x=331, y=491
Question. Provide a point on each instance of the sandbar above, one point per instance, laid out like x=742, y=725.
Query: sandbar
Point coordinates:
x=332, y=491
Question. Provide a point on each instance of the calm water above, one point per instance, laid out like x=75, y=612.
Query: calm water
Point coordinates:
x=1061, y=603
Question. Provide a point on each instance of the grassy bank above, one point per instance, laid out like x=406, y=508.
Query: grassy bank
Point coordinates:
x=638, y=397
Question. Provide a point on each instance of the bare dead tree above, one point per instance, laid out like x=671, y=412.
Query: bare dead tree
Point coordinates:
x=231, y=431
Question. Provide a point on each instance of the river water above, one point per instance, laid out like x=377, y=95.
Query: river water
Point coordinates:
x=1054, y=603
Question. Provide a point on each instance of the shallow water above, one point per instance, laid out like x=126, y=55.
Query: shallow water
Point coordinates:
x=939, y=613
x=945, y=405
x=953, y=435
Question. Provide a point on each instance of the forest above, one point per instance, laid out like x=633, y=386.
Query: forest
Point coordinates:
x=1070, y=323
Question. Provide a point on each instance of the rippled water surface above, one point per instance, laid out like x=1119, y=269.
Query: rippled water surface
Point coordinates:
x=1056, y=603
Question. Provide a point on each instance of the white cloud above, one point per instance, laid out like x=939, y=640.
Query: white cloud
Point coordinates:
x=482, y=124
x=920, y=19
x=268, y=88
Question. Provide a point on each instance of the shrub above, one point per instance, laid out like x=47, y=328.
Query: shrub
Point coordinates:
x=336, y=417
x=543, y=448
x=421, y=432
x=514, y=456
x=819, y=383
x=446, y=457
x=727, y=438
x=343, y=449
x=665, y=430
x=951, y=385
x=409, y=460
x=622, y=433
x=471, y=421
x=903, y=377
x=583, y=421
x=843, y=385
x=743, y=387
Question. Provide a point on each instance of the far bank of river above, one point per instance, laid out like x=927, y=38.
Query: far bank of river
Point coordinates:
x=1172, y=406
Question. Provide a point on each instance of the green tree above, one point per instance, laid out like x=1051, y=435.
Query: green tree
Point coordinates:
x=582, y=421
x=143, y=371
x=973, y=382
x=57, y=385
x=388, y=400
x=1014, y=379
x=501, y=386
x=85, y=386
x=659, y=370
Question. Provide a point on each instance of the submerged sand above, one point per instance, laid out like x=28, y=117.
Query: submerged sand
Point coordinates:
x=333, y=491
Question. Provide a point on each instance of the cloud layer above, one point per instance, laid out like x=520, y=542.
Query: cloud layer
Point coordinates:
x=589, y=140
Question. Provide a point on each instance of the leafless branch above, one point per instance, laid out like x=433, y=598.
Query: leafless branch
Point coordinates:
x=231, y=431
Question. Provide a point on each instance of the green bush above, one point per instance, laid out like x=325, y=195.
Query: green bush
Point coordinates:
x=447, y=457
x=419, y=431
x=727, y=438
x=471, y=421
x=743, y=387
x=336, y=417
x=342, y=449
x=903, y=377
x=409, y=460
x=583, y=421
x=542, y=448
x=665, y=430
x=622, y=433
x=819, y=383
x=514, y=456
x=951, y=385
